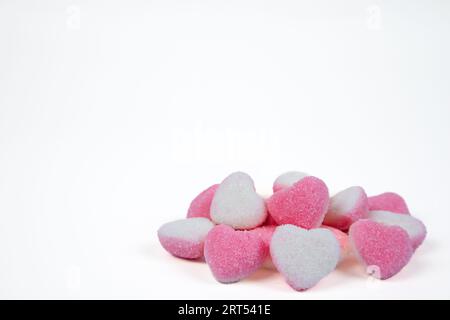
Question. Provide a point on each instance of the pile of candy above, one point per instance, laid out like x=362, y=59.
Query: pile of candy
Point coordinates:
x=299, y=230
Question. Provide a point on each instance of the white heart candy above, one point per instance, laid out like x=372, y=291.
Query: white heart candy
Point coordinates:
x=303, y=256
x=237, y=204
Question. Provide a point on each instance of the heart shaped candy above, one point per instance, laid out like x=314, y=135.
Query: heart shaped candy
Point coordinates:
x=233, y=255
x=201, y=205
x=287, y=179
x=303, y=204
x=304, y=257
x=184, y=238
x=413, y=226
x=237, y=204
x=346, y=207
x=389, y=201
x=386, y=249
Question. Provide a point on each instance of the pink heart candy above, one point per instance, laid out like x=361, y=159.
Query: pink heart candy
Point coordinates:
x=388, y=201
x=382, y=248
x=233, y=255
x=200, y=206
x=303, y=204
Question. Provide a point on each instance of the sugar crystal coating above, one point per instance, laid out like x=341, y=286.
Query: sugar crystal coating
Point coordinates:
x=413, y=226
x=303, y=204
x=287, y=179
x=388, y=201
x=233, y=255
x=303, y=256
x=237, y=204
x=385, y=249
x=185, y=238
x=346, y=207
x=201, y=205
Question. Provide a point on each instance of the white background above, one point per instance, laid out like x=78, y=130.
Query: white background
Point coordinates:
x=114, y=115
